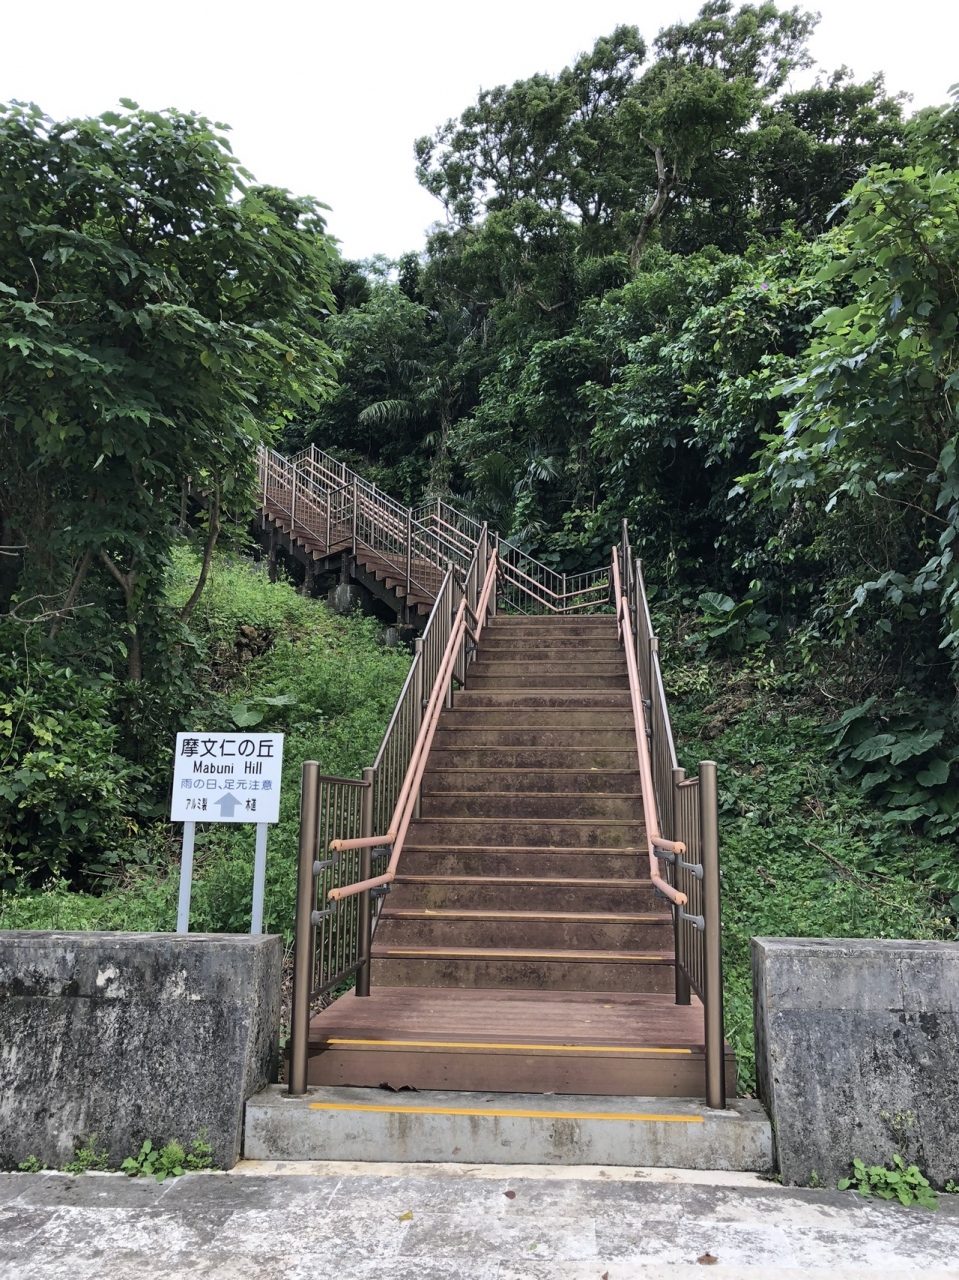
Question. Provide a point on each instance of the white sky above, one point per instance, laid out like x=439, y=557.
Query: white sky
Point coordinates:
x=326, y=96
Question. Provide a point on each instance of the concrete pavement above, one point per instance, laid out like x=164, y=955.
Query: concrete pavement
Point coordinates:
x=444, y=1222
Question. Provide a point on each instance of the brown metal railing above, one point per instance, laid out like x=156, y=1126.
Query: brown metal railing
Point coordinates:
x=345, y=868
x=682, y=821
x=338, y=879
x=336, y=508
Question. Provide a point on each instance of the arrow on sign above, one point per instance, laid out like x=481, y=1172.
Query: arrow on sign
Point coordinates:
x=228, y=804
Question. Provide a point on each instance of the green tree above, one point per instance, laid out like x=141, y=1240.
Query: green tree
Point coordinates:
x=158, y=318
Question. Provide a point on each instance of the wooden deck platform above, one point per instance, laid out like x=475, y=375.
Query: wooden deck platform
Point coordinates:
x=512, y=1041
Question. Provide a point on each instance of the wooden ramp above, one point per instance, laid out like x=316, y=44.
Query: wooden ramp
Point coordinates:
x=523, y=948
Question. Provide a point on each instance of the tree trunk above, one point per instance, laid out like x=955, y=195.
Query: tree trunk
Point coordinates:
x=207, y=558
x=71, y=596
x=666, y=185
x=128, y=582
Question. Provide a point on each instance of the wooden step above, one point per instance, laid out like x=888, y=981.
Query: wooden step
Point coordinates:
x=598, y=1043
x=548, y=680
x=533, y=757
x=567, y=699
x=542, y=893
x=577, y=806
x=560, y=781
x=526, y=832
x=532, y=968
x=554, y=930
x=491, y=861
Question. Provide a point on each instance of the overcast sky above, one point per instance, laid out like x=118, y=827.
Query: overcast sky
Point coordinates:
x=326, y=96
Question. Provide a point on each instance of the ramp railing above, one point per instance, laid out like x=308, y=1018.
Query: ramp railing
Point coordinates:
x=320, y=499
x=682, y=820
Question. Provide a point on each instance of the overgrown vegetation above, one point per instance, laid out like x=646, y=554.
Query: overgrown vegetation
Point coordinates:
x=326, y=682
x=907, y=1185
x=664, y=287
x=153, y=1160
x=805, y=851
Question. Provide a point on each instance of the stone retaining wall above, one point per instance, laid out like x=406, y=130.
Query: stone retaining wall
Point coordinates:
x=857, y=1053
x=132, y=1036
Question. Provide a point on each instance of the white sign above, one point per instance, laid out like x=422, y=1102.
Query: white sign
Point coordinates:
x=227, y=777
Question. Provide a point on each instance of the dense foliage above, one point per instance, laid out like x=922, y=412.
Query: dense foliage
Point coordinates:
x=670, y=288
x=69, y=805
x=158, y=317
x=665, y=285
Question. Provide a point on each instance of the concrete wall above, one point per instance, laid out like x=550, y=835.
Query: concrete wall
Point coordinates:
x=132, y=1036
x=857, y=1053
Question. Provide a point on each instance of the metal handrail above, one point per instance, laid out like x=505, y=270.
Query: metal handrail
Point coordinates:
x=403, y=813
x=682, y=818
x=336, y=507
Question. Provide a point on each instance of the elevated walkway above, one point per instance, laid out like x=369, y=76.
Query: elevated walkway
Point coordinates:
x=522, y=890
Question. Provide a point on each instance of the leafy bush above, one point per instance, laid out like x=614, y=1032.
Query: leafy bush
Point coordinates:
x=67, y=797
x=901, y=754
x=87, y=1157
x=907, y=1185
x=169, y=1161
x=738, y=625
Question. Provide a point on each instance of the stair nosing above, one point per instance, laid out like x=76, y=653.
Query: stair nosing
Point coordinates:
x=545, y=954
x=506, y=917
x=574, y=881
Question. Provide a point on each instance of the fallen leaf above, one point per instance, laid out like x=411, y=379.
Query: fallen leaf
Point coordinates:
x=408, y=1217
x=510, y=1195
x=605, y=1275
x=707, y=1259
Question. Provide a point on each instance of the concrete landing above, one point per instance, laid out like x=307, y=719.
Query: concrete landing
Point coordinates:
x=471, y=1224
x=497, y=1128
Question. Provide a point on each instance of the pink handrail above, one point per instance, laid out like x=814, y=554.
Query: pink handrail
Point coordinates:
x=650, y=808
x=406, y=800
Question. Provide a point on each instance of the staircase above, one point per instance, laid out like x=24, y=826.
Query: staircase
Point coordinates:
x=523, y=947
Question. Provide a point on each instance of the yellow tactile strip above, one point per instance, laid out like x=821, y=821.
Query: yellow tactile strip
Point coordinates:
x=504, y=1113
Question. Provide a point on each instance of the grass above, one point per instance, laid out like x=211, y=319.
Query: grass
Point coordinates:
x=803, y=854
x=337, y=687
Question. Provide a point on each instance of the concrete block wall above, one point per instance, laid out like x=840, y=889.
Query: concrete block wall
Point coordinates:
x=132, y=1036
x=857, y=1053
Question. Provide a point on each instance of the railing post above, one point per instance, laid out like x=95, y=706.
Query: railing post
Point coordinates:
x=409, y=554
x=303, y=931
x=364, y=921
x=453, y=606
x=418, y=696
x=292, y=496
x=679, y=833
x=715, y=1038
x=564, y=593
x=355, y=508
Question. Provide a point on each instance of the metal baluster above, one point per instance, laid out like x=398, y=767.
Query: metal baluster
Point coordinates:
x=303, y=931
x=713, y=957
x=364, y=923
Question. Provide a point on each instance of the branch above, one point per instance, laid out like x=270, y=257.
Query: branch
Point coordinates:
x=36, y=292
x=207, y=557
x=45, y=615
x=665, y=188
x=126, y=580
x=75, y=585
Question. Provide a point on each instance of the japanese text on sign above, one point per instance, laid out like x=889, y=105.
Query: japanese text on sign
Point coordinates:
x=227, y=777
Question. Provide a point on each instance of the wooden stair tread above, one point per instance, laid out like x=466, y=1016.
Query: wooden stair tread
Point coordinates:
x=545, y=1018
x=455, y=913
x=523, y=953
x=571, y=881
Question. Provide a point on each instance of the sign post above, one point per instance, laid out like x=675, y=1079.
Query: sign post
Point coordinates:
x=226, y=777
